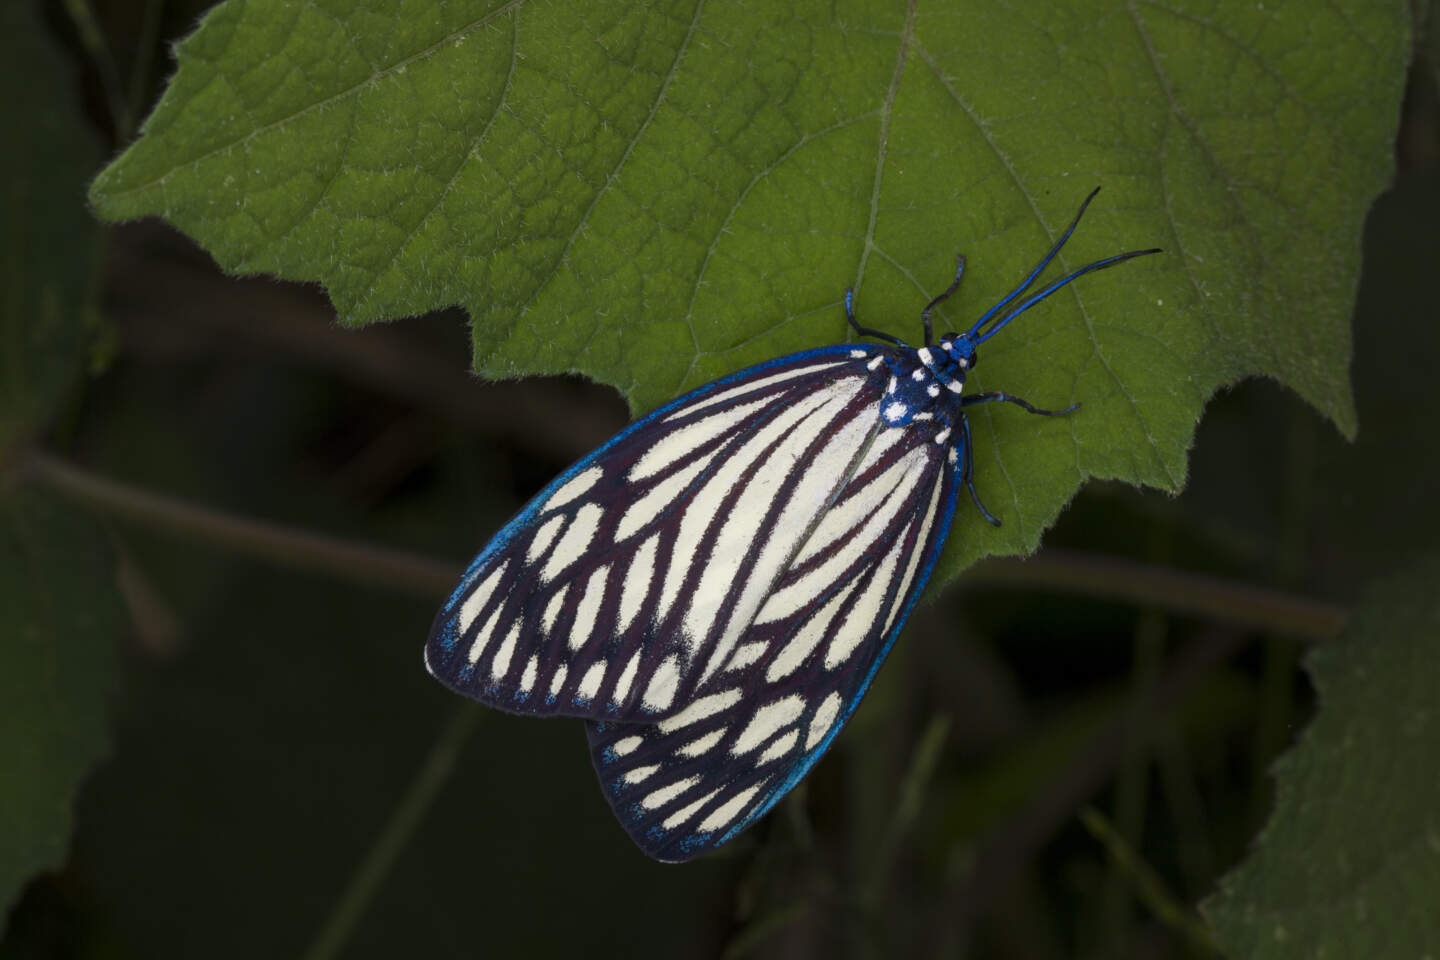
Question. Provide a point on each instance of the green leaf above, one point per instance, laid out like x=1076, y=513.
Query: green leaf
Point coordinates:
x=655, y=196
x=51, y=246
x=1349, y=865
x=59, y=616
x=58, y=605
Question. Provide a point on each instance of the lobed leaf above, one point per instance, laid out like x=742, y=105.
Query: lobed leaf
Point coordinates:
x=656, y=195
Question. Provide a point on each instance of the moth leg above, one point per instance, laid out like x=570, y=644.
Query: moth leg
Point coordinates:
x=967, y=469
x=1000, y=396
x=866, y=331
x=925, y=314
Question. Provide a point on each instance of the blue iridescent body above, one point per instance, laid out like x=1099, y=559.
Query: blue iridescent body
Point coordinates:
x=714, y=588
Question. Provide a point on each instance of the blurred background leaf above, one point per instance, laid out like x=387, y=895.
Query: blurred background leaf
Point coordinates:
x=59, y=608
x=51, y=243
x=1350, y=862
x=57, y=676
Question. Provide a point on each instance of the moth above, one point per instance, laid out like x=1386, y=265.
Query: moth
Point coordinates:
x=713, y=589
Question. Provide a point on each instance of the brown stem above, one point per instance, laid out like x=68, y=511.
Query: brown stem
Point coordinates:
x=286, y=546
x=1174, y=591
x=1094, y=575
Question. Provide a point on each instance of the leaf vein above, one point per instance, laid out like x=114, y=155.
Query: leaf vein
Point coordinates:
x=397, y=67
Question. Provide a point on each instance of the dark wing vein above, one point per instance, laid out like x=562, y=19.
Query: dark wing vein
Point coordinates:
x=690, y=782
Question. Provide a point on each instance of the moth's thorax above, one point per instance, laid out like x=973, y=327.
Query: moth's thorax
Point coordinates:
x=926, y=383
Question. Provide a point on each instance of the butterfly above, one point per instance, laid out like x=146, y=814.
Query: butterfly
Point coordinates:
x=714, y=588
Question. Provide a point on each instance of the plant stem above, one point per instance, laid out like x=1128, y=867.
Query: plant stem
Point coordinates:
x=282, y=545
x=140, y=70
x=1149, y=887
x=92, y=39
x=1174, y=591
x=414, y=805
x=913, y=787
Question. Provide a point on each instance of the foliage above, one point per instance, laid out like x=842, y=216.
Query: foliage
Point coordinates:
x=57, y=671
x=51, y=244
x=653, y=196
x=57, y=593
x=1349, y=864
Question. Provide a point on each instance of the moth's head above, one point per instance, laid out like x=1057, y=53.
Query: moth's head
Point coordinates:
x=960, y=350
